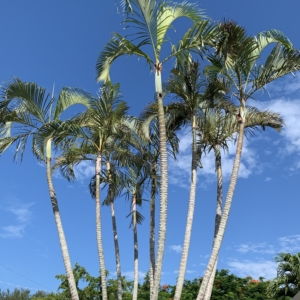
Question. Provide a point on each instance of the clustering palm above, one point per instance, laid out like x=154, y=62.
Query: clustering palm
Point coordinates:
x=152, y=19
x=217, y=129
x=235, y=62
x=92, y=136
x=26, y=110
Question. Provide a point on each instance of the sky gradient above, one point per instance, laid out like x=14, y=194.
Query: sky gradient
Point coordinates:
x=50, y=42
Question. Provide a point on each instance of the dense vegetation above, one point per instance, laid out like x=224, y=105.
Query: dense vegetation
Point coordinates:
x=130, y=153
x=226, y=286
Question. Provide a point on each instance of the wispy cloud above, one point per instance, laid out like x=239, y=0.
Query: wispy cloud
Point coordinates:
x=84, y=170
x=179, y=173
x=268, y=179
x=289, y=243
x=175, y=248
x=256, y=268
x=22, y=215
x=262, y=248
x=12, y=231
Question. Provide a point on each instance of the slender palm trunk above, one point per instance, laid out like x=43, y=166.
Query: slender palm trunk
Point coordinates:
x=152, y=231
x=225, y=214
x=60, y=230
x=164, y=185
x=98, y=228
x=190, y=215
x=116, y=240
x=218, y=216
x=136, y=253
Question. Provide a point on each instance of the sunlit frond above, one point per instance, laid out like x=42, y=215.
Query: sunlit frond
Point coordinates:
x=116, y=47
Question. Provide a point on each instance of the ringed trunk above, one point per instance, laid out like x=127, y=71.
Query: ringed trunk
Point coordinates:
x=225, y=213
x=164, y=184
x=136, y=253
x=60, y=230
x=152, y=232
x=210, y=285
x=116, y=240
x=98, y=228
x=190, y=215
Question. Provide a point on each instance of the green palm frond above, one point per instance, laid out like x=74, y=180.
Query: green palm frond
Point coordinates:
x=169, y=13
x=280, y=62
x=71, y=96
x=29, y=97
x=201, y=35
x=139, y=218
x=116, y=47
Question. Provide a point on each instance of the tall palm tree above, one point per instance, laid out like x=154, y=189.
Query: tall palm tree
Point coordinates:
x=235, y=60
x=194, y=93
x=217, y=129
x=152, y=19
x=26, y=108
x=91, y=137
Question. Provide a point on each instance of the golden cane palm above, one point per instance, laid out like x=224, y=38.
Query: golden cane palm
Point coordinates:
x=217, y=129
x=90, y=137
x=152, y=19
x=236, y=61
x=26, y=109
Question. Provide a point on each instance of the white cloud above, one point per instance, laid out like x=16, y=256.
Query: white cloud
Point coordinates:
x=255, y=269
x=179, y=171
x=290, y=243
x=22, y=215
x=290, y=111
x=190, y=271
x=12, y=231
x=175, y=248
x=84, y=170
x=268, y=179
x=288, y=85
x=262, y=248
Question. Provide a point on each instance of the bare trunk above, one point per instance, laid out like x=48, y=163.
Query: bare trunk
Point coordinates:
x=98, y=228
x=163, y=187
x=218, y=216
x=60, y=230
x=136, y=253
x=116, y=240
x=225, y=214
x=190, y=215
x=152, y=232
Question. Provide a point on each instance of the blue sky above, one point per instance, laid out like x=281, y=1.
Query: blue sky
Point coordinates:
x=52, y=42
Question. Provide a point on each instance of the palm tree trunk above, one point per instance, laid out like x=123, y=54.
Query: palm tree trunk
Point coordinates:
x=98, y=228
x=60, y=230
x=116, y=240
x=225, y=214
x=218, y=216
x=164, y=185
x=152, y=232
x=136, y=253
x=190, y=215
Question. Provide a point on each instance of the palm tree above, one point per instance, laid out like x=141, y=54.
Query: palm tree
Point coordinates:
x=152, y=19
x=235, y=61
x=216, y=129
x=195, y=93
x=92, y=136
x=287, y=283
x=26, y=109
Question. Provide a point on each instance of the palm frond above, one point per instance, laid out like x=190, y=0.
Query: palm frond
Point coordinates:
x=116, y=47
